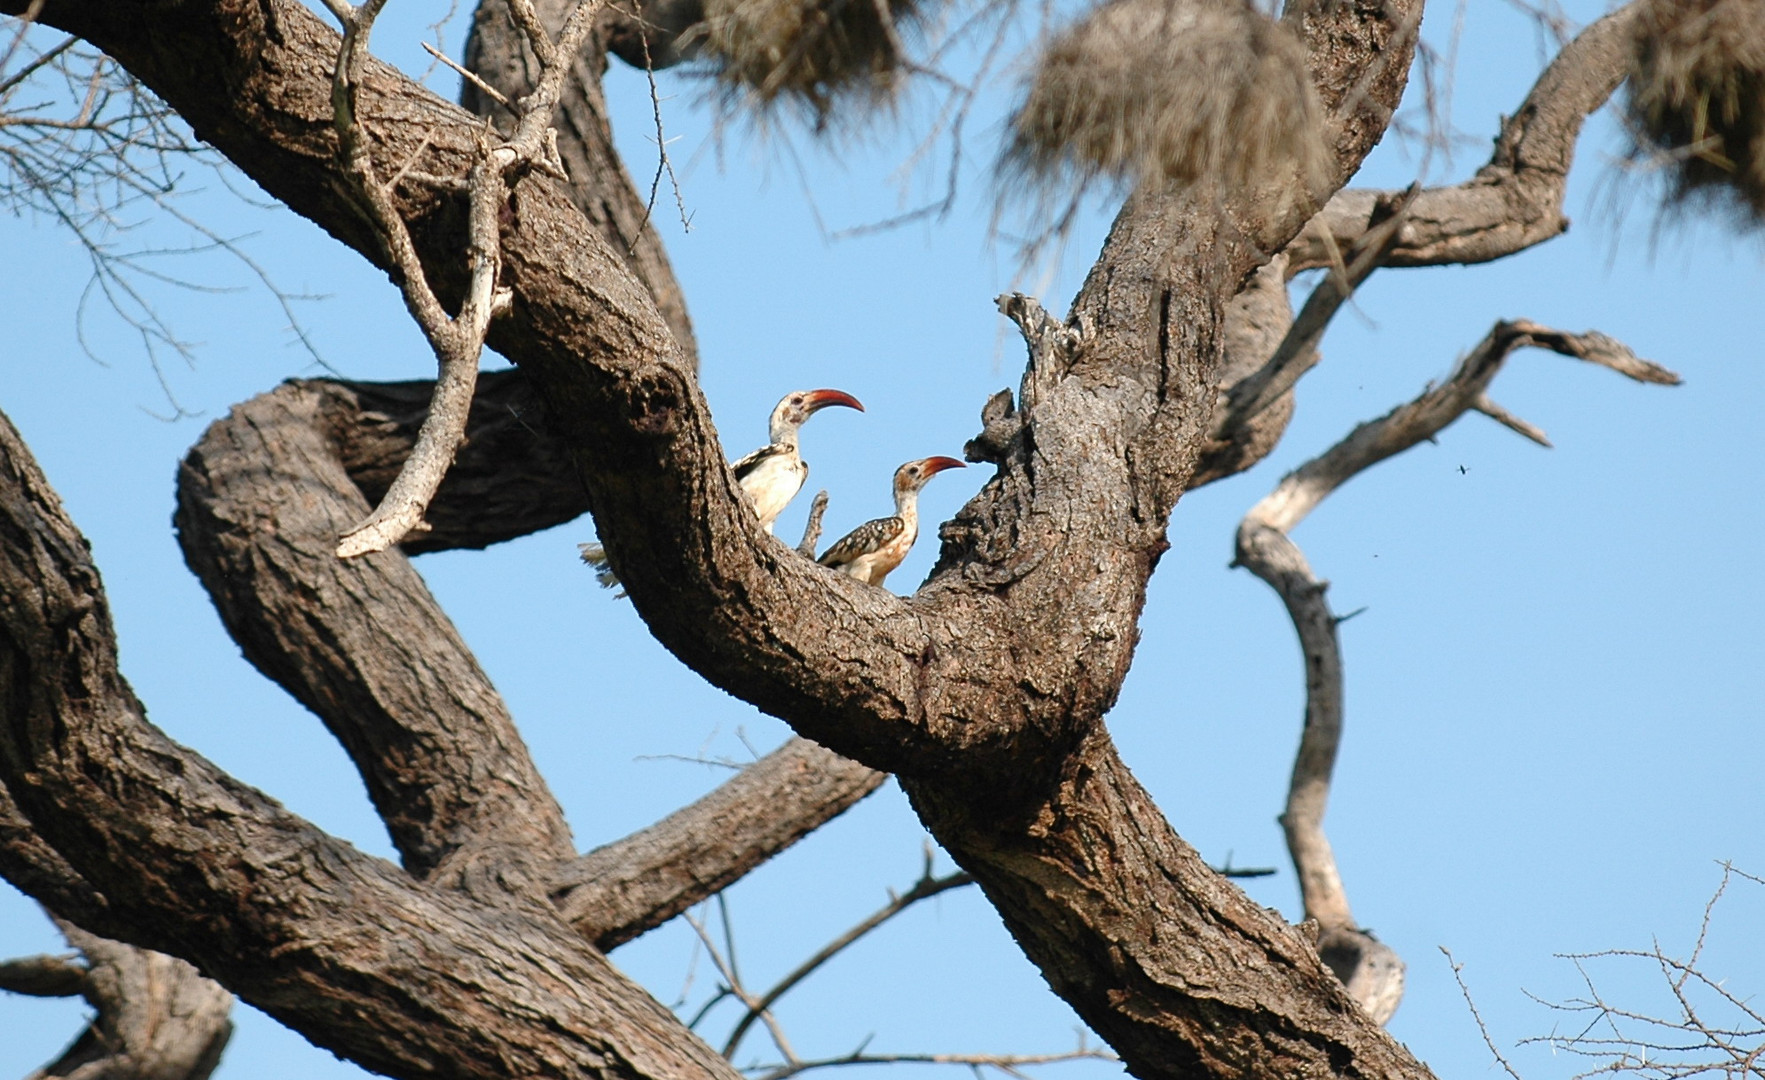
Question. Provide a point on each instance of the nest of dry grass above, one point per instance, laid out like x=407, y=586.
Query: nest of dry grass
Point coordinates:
x=817, y=53
x=1697, y=98
x=1191, y=91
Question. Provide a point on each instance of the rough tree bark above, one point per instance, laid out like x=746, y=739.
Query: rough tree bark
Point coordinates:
x=985, y=692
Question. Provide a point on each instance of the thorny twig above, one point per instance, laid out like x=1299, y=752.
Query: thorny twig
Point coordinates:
x=1621, y=1040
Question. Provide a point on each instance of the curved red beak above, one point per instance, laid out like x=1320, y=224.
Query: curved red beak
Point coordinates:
x=934, y=465
x=821, y=399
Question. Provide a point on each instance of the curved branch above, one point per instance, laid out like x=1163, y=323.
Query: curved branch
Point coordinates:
x=1516, y=200
x=362, y=643
x=1372, y=972
x=986, y=690
x=405, y=979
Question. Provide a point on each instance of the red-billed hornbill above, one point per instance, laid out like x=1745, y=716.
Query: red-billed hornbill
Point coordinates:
x=874, y=548
x=771, y=476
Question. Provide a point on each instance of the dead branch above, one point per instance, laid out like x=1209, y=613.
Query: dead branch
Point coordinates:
x=43, y=976
x=1371, y=970
x=1514, y=201
x=812, y=527
x=155, y=1017
x=458, y=340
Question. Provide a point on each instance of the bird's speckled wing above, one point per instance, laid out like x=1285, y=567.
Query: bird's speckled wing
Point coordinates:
x=866, y=538
x=747, y=463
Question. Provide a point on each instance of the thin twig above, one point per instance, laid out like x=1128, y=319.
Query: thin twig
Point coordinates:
x=485, y=88
x=925, y=888
x=1482, y=1028
x=1006, y=1063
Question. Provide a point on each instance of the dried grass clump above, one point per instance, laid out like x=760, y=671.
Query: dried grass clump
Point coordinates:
x=1189, y=90
x=814, y=52
x=1697, y=95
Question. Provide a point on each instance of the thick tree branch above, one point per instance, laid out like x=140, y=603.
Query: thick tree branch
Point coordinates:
x=155, y=1017
x=360, y=642
x=435, y=746
x=616, y=892
x=986, y=691
x=1516, y=200
x=41, y=871
x=403, y=978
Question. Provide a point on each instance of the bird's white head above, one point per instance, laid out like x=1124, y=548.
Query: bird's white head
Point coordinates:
x=798, y=405
x=913, y=475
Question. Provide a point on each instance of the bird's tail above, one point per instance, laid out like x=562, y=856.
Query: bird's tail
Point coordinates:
x=596, y=556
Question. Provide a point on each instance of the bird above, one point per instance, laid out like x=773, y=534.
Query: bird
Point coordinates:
x=876, y=547
x=771, y=476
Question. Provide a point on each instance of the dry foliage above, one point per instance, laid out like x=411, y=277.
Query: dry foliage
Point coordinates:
x=1697, y=94
x=814, y=52
x=1188, y=90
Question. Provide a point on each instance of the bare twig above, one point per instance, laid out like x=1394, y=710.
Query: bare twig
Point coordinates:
x=926, y=887
x=1008, y=1064
x=732, y=980
x=1619, y=1040
x=1482, y=1028
x=484, y=88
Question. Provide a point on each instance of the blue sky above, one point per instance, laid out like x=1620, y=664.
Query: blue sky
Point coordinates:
x=1554, y=712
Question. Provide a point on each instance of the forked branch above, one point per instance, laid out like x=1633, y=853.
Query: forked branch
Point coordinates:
x=1372, y=972
x=457, y=340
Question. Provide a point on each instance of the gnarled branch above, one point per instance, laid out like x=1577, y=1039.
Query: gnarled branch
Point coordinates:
x=1372, y=971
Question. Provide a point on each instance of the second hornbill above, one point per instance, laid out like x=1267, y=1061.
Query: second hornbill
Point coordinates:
x=876, y=547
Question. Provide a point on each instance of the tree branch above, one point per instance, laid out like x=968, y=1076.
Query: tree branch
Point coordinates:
x=616, y=892
x=1372, y=972
x=362, y=643
x=985, y=692
x=1516, y=200
x=924, y=889
x=599, y=185
x=155, y=1017
x=43, y=976
x=400, y=977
